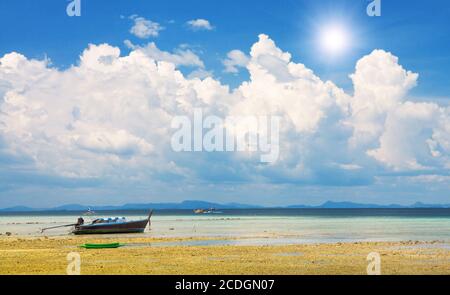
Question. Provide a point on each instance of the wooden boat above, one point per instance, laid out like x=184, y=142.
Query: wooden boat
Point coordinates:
x=111, y=226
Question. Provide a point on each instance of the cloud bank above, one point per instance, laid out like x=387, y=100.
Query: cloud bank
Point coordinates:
x=108, y=118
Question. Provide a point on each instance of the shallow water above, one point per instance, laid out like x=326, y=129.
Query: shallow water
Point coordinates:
x=259, y=227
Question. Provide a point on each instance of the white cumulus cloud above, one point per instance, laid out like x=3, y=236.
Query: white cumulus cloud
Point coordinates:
x=180, y=57
x=144, y=28
x=235, y=59
x=200, y=24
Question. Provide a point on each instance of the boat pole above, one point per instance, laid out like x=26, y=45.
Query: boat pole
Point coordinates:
x=53, y=227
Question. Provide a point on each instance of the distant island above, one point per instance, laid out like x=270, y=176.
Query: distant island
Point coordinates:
x=191, y=205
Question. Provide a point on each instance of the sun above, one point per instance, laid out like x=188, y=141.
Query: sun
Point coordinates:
x=334, y=39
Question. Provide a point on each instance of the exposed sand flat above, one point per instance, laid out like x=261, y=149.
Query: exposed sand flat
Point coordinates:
x=49, y=256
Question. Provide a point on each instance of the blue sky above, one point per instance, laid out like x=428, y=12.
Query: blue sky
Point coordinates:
x=417, y=32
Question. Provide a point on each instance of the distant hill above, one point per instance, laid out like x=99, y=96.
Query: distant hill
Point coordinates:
x=351, y=205
x=190, y=205
x=157, y=206
x=17, y=209
x=422, y=205
x=347, y=205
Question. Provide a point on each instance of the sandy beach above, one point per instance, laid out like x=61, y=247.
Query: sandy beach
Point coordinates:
x=335, y=242
x=143, y=255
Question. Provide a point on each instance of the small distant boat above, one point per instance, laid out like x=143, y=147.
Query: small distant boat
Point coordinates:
x=89, y=212
x=117, y=225
x=206, y=211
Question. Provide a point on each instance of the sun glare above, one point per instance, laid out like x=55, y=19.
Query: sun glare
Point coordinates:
x=334, y=39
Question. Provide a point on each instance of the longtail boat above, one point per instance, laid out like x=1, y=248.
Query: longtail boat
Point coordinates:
x=118, y=225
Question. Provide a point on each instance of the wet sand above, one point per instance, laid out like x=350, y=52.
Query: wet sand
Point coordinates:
x=143, y=255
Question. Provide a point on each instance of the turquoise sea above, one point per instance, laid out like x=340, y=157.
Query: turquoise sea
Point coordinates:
x=261, y=226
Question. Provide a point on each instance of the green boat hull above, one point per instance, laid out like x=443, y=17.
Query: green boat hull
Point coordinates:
x=101, y=246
